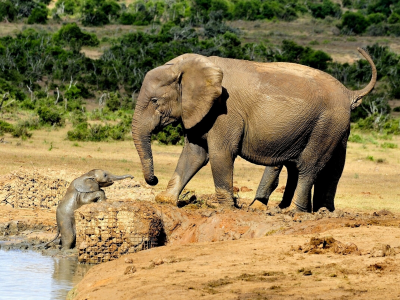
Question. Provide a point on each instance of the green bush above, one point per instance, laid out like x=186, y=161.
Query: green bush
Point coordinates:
x=77, y=117
x=355, y=138
x=72, y=93
x=389, y=145
x=50, y=116
x=324, y=9
x=38, y=15
x=376, y=18
x=7, y=11
x=113, y=102
x=170, y=135
x=391, y=126
x=97, y=13
x=31, y=123
x=127, y=18
x=5, y=127
x=21, y=131
x=394, y=18
x=70, y=6
x=98, y=132
x=72, y=32
x=353, y=22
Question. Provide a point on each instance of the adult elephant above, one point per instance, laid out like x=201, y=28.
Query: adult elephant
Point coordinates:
x=268, y=113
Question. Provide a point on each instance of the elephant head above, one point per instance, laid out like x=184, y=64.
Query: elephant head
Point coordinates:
x=182, y=90
x=95, y=179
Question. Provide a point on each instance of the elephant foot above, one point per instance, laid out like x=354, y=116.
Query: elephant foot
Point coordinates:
x=294, y=210
x=225, y=203
x=166, y=198
x=261, y=200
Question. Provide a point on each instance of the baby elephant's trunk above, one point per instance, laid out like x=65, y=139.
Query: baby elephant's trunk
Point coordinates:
x=115, y=177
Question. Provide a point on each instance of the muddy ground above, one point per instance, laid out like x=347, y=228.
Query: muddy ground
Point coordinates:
x=248, y=253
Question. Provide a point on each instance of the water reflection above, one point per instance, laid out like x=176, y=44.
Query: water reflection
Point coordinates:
x=30, y=275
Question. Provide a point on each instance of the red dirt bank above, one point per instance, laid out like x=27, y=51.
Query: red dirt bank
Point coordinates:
x=268, y=267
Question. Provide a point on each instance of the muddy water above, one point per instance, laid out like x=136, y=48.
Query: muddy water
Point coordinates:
x=30, y=275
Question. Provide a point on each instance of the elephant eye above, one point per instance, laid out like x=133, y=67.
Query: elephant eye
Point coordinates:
x=154, y=100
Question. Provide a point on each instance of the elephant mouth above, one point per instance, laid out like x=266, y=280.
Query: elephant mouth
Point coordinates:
x=106, y=184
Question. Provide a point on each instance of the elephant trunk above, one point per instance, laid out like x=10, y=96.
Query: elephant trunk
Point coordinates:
x=141, y=137
x=115, y=177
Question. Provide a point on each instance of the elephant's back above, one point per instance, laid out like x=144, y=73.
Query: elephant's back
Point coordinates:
x=292, y=85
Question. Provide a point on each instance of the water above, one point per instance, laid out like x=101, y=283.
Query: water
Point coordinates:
x=30, y=275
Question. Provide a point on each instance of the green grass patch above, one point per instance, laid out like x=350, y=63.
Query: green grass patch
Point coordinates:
x=387, y=145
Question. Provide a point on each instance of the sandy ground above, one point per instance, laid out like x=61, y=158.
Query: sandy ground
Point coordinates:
x=270, y=267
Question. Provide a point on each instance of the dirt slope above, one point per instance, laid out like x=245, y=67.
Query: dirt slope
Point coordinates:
x=278, y=265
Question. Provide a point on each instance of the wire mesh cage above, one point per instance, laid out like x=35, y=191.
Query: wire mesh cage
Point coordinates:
x=107, y=230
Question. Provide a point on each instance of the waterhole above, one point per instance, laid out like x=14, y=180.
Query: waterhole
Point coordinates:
x=30, y=275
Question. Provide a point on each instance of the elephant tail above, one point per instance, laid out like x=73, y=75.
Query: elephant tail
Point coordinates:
x=356, y=96
x=58, y=233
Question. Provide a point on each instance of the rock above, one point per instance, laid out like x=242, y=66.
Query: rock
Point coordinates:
x=128, y=260
x=307, y=273
x=158, y=261
x=130, y=270
x=382, y=212
x=245, y=189
x=382, y=250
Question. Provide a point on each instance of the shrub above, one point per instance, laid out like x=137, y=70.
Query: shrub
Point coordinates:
x=389, y=145
x=394, y=18
x=98, y=132
x=324, y=9
x=70, y=6
x=21, y=131
x=113, y=101
x=38, y=15
x=69, y=32
x=170, y=135
x=353, y=22
x=77, y=117
x=50, y=116
x=127, y=18
x=355, y=138
x=32, y=123
x=5, y=127
x=7, y=11
x=376, y=18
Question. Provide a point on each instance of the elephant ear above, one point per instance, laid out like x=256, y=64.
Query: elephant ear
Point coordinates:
x=200, y=84
x=86, y=184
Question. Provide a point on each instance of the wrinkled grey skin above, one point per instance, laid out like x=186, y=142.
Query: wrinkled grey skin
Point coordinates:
x=82, y=190
x=324, y=187
x=270, y=114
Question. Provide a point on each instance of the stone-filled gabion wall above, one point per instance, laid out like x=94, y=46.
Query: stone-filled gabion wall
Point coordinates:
x=31, y=189
x=107, y=230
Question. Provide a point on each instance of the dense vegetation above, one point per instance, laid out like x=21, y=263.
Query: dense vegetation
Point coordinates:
x=47, y=76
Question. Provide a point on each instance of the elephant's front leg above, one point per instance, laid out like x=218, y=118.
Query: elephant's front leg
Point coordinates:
x=193, y=157
x=222, y=170
x=86, y=198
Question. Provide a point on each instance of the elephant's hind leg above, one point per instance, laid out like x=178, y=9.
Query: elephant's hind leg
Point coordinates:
x=268, y=184
x=328, y=179
x=291, y=184
x=193, y=157
x=67, y=230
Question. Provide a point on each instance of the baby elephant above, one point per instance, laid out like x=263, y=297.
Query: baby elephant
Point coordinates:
x=83, y=190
